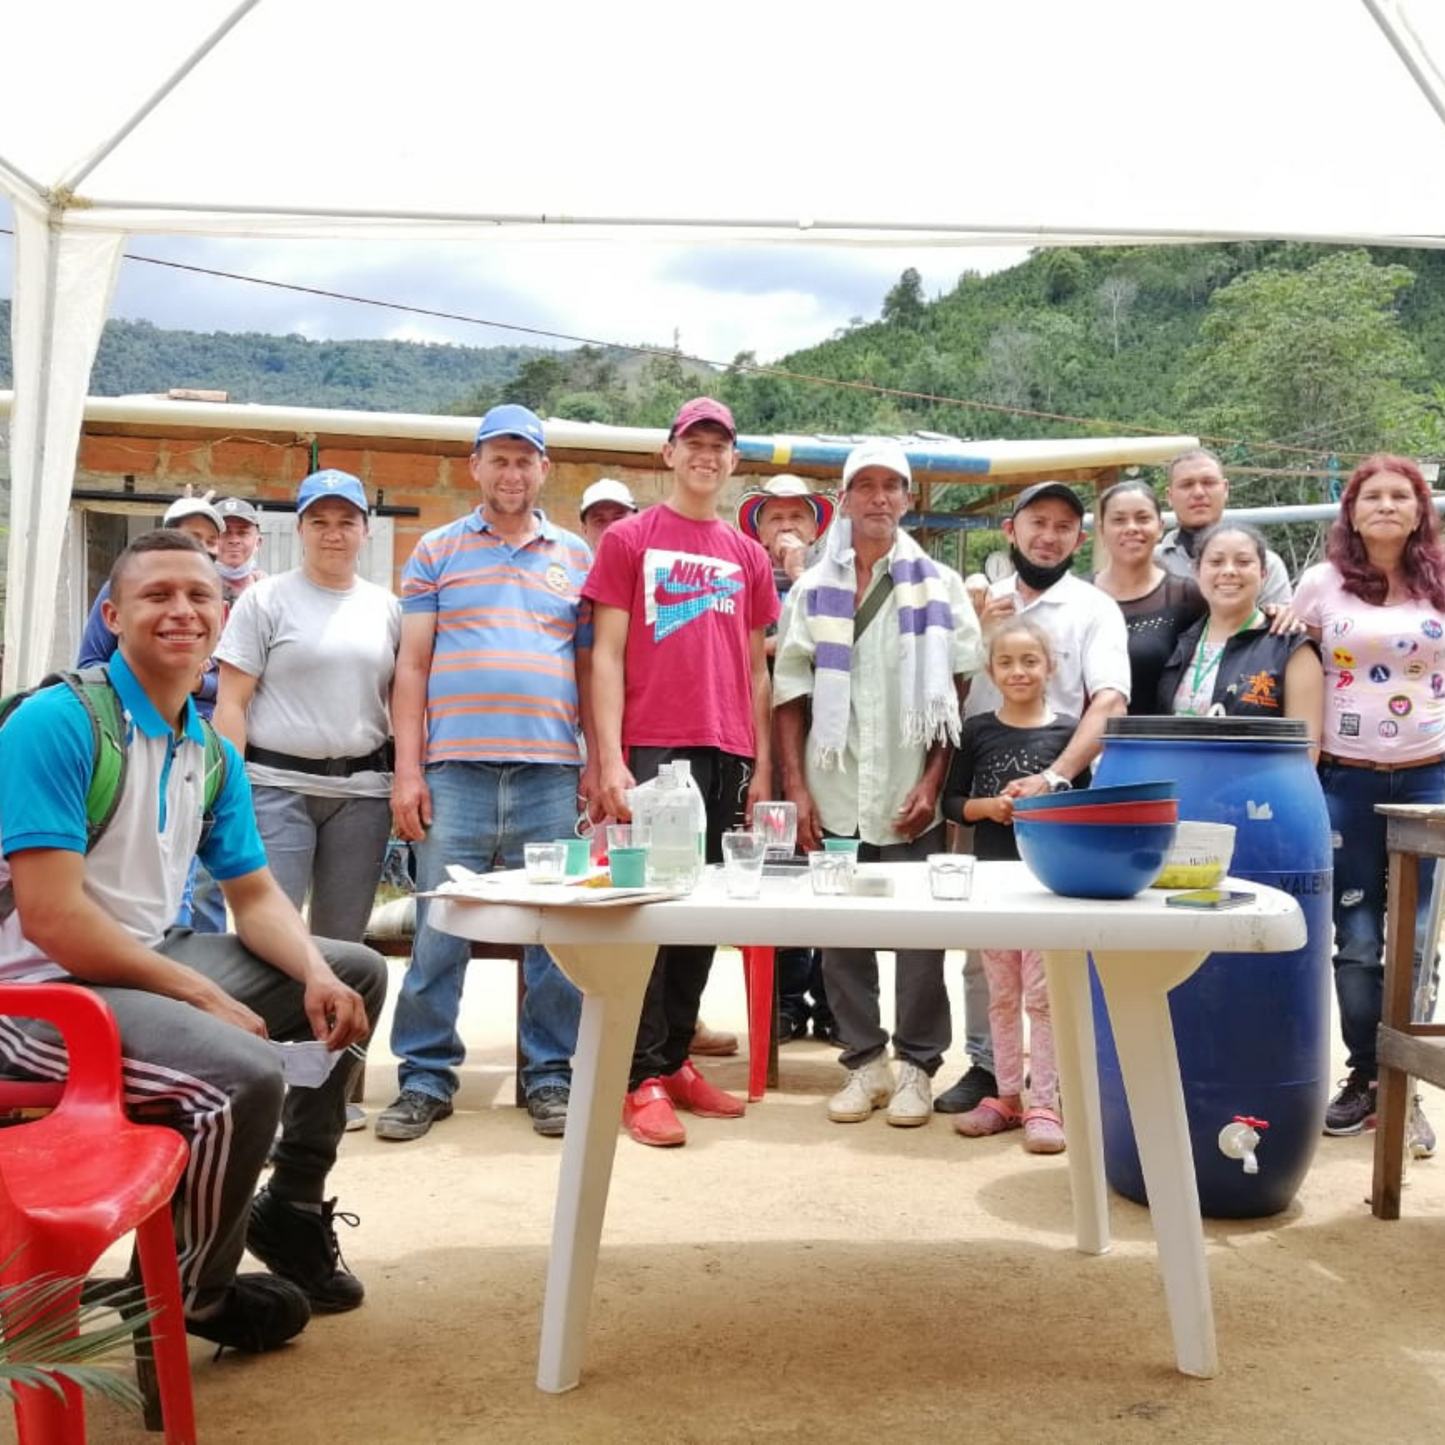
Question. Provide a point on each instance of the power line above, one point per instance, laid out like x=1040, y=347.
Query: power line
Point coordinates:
x=675, y=354
x=750, y=368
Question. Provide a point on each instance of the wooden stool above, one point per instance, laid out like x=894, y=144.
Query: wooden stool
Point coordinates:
x=1404, y=1048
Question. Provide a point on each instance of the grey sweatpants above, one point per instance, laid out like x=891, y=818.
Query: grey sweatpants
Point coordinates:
x=924, y=1022
x=221, y=1088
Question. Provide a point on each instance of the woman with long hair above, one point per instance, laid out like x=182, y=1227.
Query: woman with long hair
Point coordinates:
x=1377, y=605
x=1229, y=663
x=1157, y=605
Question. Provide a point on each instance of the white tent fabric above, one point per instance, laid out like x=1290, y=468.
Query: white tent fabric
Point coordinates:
x=928, y=122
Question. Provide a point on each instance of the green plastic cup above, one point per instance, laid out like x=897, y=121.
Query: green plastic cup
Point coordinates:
x=628, y=867
x=841, y=845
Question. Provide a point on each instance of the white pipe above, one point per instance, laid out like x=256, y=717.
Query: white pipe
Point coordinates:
x=931, y=453
x=1269, y=516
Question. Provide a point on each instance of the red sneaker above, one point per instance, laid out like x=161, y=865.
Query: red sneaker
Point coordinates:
x=648, y=1115
x=689, y=1090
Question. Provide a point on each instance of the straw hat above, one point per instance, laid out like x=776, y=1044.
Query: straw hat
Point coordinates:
x=752, y=503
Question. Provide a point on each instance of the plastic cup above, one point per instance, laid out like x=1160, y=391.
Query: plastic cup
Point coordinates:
x=579, y=854
x=777, y=825
x=545, y=862
x=831, y=873
x=628, y=867
x=626, y=835
x=841, y=845
x=950, y=875
x=743, y=855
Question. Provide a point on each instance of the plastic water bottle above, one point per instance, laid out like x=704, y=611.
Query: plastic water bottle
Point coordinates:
x=679, y=822
x=642, y=800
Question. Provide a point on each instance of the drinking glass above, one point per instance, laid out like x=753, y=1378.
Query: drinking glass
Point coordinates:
x=743, y=854
x=831, y=873
x=777, y=825
x=950, y=875
x=627, y=835
x=545, y=862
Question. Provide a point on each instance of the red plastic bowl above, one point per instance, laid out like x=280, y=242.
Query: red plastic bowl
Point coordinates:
x=1166, y=810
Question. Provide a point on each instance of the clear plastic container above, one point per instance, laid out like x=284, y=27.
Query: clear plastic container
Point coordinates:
x=643, y=799
x=677, y=820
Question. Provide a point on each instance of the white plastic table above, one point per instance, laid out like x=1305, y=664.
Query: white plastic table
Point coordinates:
x=1140, y=948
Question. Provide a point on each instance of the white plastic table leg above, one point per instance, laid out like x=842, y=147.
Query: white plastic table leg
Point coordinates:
x=613, y=979
x=1073, y=1017
x=1136, y=988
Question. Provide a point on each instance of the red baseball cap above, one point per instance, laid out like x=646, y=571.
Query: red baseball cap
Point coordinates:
x=700, y=409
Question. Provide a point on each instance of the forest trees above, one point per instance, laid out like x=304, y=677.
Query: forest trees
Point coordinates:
x=1313, y=358
x=904, y=304
x=1116, y=300
x=1307, y=363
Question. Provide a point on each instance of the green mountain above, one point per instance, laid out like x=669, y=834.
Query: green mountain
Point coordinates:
x=1291, y=360
x=138, y=358
x=1319, y=349
x=1286, y=357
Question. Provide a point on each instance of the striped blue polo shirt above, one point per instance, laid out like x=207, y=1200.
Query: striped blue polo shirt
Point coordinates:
x=509, y=621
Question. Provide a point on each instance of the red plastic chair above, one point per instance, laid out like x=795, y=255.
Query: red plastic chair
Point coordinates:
x=75, y=1181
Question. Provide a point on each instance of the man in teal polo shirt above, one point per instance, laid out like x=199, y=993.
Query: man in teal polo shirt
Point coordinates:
x=195, y=1011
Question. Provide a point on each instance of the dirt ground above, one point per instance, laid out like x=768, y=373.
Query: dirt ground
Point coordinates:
x=783, y=1278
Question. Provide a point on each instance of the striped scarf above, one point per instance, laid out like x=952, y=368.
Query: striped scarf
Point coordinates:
x=927, y=698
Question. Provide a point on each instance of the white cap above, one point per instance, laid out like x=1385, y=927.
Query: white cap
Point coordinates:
x=193, y=507
x=609, y=489
x=879, y=452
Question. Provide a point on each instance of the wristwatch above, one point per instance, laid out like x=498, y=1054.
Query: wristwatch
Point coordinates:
x=1057, y=783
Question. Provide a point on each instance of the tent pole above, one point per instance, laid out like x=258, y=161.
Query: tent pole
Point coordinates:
x=1393, y=18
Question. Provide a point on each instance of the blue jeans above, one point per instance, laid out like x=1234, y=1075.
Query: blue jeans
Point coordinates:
x=203, y=907
x=1359, y=896
x=482, y=814
x=208, y=904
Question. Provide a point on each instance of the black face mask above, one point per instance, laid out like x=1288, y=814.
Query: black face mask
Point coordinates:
x=1040, y=579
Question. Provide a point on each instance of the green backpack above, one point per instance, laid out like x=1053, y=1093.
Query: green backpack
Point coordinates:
x=102, y=706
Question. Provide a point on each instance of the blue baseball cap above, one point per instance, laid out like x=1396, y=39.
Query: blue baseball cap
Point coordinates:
x=511, y=420
x=331, y=483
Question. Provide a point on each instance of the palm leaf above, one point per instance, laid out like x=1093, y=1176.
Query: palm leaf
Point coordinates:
x=37, y=1347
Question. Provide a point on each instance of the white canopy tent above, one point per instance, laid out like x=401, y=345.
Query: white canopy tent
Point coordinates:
x=932, y=123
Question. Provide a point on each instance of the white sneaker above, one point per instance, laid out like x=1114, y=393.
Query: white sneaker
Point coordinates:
x=866, y=1089
x=1419, y=1136
x=912, y=1101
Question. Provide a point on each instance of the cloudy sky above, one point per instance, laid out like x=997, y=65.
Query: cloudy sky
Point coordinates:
x=682, y=122
x=717, y=300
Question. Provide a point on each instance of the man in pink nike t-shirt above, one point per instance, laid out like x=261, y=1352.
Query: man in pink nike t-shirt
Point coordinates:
x=681, y=602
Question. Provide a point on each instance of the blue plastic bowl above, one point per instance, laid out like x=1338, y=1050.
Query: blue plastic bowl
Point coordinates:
x=1094, y=860
x=1092, y=797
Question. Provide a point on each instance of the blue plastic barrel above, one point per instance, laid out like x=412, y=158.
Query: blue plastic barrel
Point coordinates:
x=1252, y=1028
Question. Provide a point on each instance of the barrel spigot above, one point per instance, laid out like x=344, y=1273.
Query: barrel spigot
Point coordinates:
x=1240, y=1138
